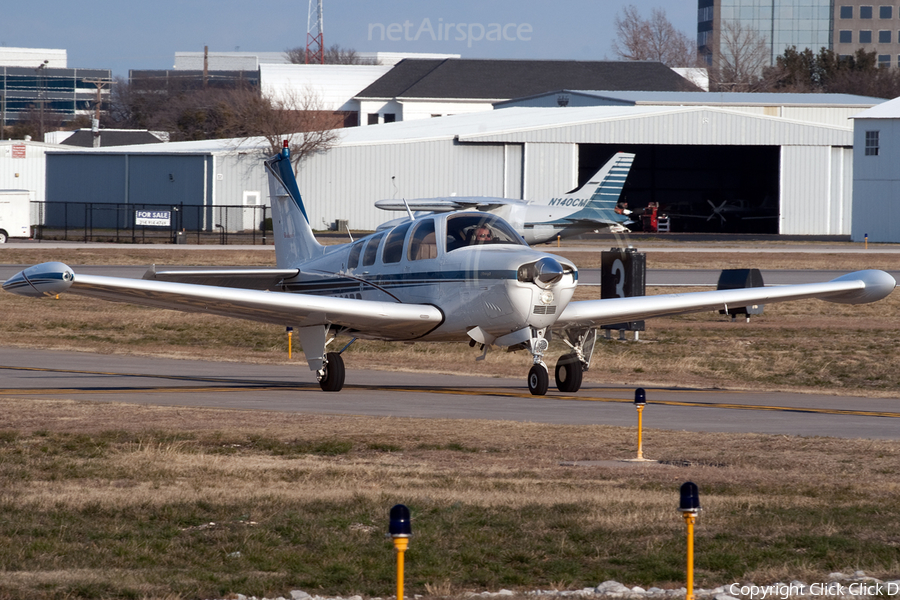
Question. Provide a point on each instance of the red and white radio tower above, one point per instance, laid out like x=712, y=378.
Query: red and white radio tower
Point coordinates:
x=315, y=41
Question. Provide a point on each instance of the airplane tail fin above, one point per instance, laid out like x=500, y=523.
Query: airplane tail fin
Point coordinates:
x=294, y=238
x=602, y=191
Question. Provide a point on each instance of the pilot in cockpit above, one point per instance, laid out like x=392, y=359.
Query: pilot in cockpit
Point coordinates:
x=481, y=235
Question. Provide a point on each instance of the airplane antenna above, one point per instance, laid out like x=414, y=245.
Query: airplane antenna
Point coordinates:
x=396, y=190
x=408, y=212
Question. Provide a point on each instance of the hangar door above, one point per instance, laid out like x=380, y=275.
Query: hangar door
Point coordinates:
x=732, y=189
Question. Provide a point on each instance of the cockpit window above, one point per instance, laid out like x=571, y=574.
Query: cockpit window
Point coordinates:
x=422, y=243
x=393, y=244
x=353, y=260
x=371, y=250
x=478, y=228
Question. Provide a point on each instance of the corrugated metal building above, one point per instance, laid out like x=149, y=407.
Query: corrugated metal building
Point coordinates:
x=23, y=166
x=800, y=172
x=876, y=175
x=830, y=109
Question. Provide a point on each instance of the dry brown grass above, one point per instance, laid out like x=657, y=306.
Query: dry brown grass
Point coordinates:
x=766, y=497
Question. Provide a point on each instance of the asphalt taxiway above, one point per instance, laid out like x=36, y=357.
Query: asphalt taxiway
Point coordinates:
x=26, y=373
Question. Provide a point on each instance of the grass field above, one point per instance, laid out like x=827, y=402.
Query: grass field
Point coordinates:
x=121, y=501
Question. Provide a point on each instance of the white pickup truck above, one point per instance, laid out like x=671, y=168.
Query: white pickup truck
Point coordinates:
x=15, y=214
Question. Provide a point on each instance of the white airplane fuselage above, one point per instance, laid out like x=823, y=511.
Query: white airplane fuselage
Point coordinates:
x=473, y=286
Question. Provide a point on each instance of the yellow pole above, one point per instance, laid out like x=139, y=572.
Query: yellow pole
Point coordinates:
x=290, y=334
x=400, y=543
x=640, y=409
x=689, y=519
x=557, y=241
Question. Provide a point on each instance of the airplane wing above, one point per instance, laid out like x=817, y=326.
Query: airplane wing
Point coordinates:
x=854, y=288
x=448, y=204
x=254, y=279
x=391, y=320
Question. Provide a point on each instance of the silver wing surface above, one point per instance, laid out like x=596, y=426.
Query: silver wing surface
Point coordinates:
x=859, y=287
x=254, y=279
x=449, y=204
x=364, y=318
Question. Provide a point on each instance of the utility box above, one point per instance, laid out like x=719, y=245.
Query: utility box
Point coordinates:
x=733, y=279
x=15, y=214
x=342, y=225
x=623, y=274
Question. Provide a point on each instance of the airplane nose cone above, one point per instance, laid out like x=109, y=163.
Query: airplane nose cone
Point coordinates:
x=547, y=271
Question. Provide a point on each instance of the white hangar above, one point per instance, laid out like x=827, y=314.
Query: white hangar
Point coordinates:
x=800, y=172
x=876, y=173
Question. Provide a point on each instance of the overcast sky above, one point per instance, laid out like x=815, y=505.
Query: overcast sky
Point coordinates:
x=122, y=35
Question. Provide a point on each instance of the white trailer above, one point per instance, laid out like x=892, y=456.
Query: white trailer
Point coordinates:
x=15, y=214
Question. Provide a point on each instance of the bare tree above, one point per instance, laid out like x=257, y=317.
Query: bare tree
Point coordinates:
x=739, y=61
x=334, y=55
x=652, y=39
x=300, y=118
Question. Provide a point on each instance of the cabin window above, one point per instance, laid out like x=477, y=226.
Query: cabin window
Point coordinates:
x=372, y=250
x=393, y=244
x=353, y=259
x=422, y=242
x=474, y=229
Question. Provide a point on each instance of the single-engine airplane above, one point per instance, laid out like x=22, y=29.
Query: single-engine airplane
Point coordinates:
x=463, y=276
x=591, y=207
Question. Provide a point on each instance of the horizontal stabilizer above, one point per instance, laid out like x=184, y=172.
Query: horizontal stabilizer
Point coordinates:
x=448, y=204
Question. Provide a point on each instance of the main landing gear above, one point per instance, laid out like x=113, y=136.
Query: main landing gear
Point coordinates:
x=570, y=367
x=331, y=375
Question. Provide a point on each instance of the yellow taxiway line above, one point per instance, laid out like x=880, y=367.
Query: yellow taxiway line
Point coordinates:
x=259, y=386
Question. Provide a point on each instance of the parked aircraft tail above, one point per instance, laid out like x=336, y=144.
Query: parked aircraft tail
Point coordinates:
x=294, y=238
x=600, y=195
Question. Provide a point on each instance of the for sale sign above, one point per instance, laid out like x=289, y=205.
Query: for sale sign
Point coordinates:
x=153, y=218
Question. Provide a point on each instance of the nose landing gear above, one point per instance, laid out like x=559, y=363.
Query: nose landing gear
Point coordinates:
x=538, y=377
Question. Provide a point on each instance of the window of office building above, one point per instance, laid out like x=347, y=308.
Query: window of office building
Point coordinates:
x=885, y=12
x=884, y=37
x=846, y=12
x=845, y=36
x=871, y=143
x=884, y=60
x=865, y=37
x=865, y=12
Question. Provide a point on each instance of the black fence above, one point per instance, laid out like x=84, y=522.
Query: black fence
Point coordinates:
x=151, y=223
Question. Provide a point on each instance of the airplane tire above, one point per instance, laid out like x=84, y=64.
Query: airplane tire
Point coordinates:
x=538, y=380
x=333, y=380
x=568, y=374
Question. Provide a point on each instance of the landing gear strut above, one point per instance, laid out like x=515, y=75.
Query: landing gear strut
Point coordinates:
x=570, y=368
x=538, y=377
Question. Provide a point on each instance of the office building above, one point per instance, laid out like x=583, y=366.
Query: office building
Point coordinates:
x=843, y=26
